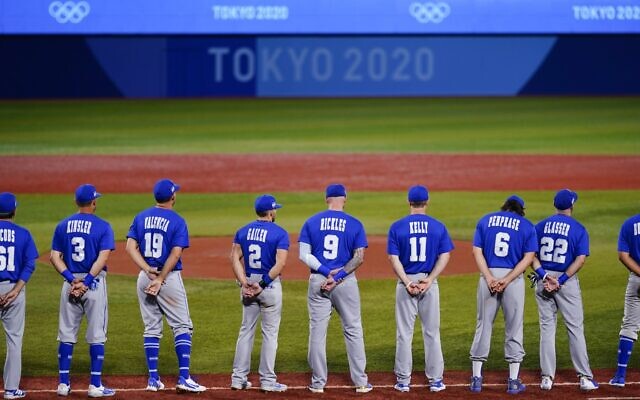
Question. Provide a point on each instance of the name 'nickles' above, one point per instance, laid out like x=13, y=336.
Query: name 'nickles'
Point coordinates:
x=333, y=224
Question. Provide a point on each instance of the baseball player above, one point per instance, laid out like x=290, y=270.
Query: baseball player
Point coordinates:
x=418, y=247
x=563, y=249
x=258, y=255
x=503, y=247
x=629, y=256
x=332, y=245
x=80, y=249
x=155, y=243
x=18, y=256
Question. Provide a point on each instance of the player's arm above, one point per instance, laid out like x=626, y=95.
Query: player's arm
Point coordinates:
x=98, y=265
x=350, y=266
x=518, y=270
x=236, y=264
x=481, y=263
x=441, y=263
x=631, y=264
x=311, y=261
x=173, y=258
x=398, y=269
x=281, y=260
x=133, y=250
x=58, y=263
x=11, y=295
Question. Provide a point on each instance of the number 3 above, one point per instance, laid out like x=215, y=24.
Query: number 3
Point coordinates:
x=78, y=249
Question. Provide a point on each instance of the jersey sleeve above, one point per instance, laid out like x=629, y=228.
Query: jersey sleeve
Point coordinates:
x=181, y=238
x=57, y=243
x=107, y=241
x=236, y=238
x=283, y=241
x=623, y=243
x=29, y=257
x=304, y=234
x=361, y=238
x=478, y=236
x=531, y=240
x=133, y=230
x=392, y=242
x=583, y=244
x=446, y=244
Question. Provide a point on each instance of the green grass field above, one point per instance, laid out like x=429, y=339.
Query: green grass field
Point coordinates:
x=531, y=125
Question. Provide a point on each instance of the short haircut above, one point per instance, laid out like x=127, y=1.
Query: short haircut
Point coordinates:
x=8, y=215
x=161, y=200
x=418, y=204
x=84, y=204
x=513, y=206
x=262, y=214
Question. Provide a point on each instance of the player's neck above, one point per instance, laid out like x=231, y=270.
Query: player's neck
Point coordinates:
x=418, y=211
x=166, y=206
x=86, y=210
x=264, y=219
x=566, y=212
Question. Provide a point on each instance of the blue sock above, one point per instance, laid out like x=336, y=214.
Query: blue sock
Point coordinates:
x=624, y=354
x=97, y=359
x=151, y=351
x=183, y=351
x=65, y=353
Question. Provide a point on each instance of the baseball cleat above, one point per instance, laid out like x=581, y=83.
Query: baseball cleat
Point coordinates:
x=241, y=386
x=189, y=385
x=364, y=389
x=154, y=385
x=515, y=386
x=617, y=381
x=402, y=387
x=100, y=391
x=315, y=389
x=546, y=383
x=476, y=384
x=437, y=386
x=276, y=387
x=588, y=384
x=14, y=394
x=63, y=389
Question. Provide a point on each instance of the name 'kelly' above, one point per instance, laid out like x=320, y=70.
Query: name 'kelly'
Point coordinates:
x=418, y=227
x=504, y=222
x=156, y=223
x=78, y=225
x=333, y=224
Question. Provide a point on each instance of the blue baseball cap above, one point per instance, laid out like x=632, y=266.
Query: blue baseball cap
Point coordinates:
x=86, y=193
x=164, y=189
x=336, y=190
x=418, y=194
x=564, y=199
x=266, y=202
x=8, y=203
x=516, y=198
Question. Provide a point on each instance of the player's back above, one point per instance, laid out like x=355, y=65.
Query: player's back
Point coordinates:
x=80, y=238
x=504, y=237
x=157, y=231
x=333, y=236
x=418, y=240
x=260, y=241
x=561, y=239
x=629, y=239
x=16, y=248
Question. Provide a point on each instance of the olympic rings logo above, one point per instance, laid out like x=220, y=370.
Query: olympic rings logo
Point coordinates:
x=69, y=11
x=429, y=12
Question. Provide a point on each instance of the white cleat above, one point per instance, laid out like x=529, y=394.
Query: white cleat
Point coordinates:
x=189, y=385
x=546, y=383
x=63, y=389
x=100, y=391
x=588, y=384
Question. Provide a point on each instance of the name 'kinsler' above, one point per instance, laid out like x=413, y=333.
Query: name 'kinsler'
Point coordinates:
x=78, y=225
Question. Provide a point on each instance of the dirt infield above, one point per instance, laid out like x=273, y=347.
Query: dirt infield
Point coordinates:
x=339, y=387
x=312, y=172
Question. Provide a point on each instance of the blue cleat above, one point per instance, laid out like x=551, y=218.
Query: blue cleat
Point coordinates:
x=476, y=384
x=617, y=381
x=437, y=386
x=402, y=387
x=515, y=386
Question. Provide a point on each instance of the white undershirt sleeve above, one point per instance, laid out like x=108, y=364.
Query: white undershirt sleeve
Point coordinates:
x=306, y=257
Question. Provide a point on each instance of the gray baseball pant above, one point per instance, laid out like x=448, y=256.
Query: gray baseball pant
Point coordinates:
x=268, y=305
x=427, y=306
x=93, y=304
x=568, y=300
x=631, y=318
x=13, y=323
x=345, y=298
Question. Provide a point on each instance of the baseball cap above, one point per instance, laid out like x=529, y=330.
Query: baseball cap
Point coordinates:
x=8, y=203
x=86, y=193
x=564, y=199
x=516, y=198
x=266, y=202
x=164, y=189
x=336, y=190
x=418, y=194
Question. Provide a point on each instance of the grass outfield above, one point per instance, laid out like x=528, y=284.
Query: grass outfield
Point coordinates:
x=216, y=311
x=505, y=125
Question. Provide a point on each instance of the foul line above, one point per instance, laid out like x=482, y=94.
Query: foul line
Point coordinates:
x=219, y=388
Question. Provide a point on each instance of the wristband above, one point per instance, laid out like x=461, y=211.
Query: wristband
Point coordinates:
x=88, y=280
x=266, y=279
x=340, y=275
x=324, y=270
x=562, y=279
x=67, y=275
x=541, y=273
x=263, y=284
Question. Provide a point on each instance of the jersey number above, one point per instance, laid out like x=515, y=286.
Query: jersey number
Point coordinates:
x=415, y=242
x=501, y=246
x=153, y=245
x=554, y=251
x=7, y=258
x=330, y=247
x=78, y=249
x=255, y=253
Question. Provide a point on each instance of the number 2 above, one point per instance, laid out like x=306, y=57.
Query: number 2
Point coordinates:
x=255, y=253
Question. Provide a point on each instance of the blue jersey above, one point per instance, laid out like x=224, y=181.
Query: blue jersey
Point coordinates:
x=418, y=240
x=260, y=241
x=80, y=238
x=561, y=239
x=629, y=239
x=504, y=237
x=333, y=236
x=18, y=253
x=157, y=231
